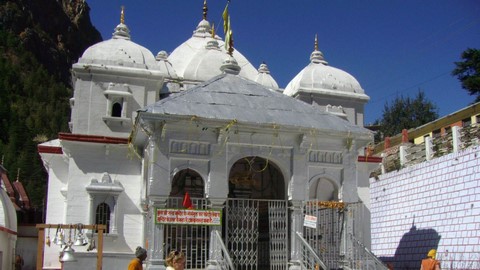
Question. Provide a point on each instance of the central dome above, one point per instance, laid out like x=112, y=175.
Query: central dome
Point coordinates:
x=191, y=53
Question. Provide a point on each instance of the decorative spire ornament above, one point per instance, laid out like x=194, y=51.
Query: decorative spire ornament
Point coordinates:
x=122, y=15
x=316, y=42
x=205, y=9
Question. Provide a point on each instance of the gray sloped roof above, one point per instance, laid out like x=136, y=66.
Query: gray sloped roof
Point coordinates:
x=227, y=97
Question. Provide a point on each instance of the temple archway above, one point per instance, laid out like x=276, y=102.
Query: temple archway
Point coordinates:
x=254, y=177
x=323, y=189
x=188, y=180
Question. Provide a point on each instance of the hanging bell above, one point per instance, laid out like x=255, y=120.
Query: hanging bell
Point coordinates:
x=68, y=255
x=91, y=246
x=60, y=240
x=47, y=241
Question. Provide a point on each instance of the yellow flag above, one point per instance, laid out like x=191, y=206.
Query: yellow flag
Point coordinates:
x=226, y=20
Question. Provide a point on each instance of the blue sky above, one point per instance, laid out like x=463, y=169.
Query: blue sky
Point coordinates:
x=392, y=47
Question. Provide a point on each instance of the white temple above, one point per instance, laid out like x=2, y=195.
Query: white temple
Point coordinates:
x=278, y=171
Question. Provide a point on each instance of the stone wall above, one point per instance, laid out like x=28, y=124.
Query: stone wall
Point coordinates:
x=434, y=204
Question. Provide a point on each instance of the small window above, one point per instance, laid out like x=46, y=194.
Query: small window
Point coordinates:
x=102, y=216
x=116, y=110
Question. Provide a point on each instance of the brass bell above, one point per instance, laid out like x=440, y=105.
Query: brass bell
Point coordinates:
x=67, y=255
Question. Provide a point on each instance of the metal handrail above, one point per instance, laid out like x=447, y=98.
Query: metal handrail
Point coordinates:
x=310, y=259
x=370, y=257
x=219, y=256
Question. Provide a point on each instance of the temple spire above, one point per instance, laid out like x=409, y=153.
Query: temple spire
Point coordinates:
x=122, y=15
x=205, y=9
x=316, y=42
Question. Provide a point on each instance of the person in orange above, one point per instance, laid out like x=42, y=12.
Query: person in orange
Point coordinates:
x=430, y=263
x=140, y=256
x=175, y=260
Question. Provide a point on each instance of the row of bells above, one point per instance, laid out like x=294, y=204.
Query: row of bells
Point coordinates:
x=66, y=255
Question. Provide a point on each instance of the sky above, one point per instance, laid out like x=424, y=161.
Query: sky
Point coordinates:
x=394, y=48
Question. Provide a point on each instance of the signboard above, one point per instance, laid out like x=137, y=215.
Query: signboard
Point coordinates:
x=310, y=221
x=188, y=217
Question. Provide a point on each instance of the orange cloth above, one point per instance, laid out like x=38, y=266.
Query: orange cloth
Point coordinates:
x=135, y=264
x=430, y=264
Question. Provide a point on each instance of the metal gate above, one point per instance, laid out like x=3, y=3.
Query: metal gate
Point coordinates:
x=193, y=240
x=325, y=239
x=256, y=233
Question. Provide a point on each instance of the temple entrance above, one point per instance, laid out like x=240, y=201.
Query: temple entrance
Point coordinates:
x=193, y=240
x=256, y=215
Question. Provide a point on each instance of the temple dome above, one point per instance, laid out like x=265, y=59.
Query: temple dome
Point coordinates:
x=264, y=78
x=188, y=53
x=318, y=77
x=205, y=63
x=119, y=51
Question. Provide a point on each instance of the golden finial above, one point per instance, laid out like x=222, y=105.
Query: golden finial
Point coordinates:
x=213, y=30
x=122, y=15
x=316, y=42
x=205, y=9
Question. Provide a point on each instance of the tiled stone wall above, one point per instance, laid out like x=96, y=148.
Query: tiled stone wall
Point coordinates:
x=435, y=204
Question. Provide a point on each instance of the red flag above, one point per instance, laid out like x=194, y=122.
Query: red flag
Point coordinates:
x=187, y=202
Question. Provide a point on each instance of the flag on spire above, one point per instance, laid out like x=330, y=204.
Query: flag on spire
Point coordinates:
x=187, y=202
x=226, y=19
x=226, y=27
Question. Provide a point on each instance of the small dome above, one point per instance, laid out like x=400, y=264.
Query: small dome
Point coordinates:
x=165, y=65
x=264, y=78
x=318, y=77
x=119, y=51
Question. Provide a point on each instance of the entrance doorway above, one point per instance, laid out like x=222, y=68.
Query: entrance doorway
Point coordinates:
x=256, y=215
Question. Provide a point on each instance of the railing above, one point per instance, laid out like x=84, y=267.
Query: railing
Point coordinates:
x=219, y=257
x=407, y=154
x=363, y=258
x=308, y=258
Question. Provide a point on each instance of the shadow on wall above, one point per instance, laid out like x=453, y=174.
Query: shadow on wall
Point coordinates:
x=413, y=247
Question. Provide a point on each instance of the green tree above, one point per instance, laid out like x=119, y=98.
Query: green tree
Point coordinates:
x=405, y=113
x=468, y=72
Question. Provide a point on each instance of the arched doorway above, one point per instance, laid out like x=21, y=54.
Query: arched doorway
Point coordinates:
x=256, y=215
x=192, y=240
x=254, y=177
x=323, y=189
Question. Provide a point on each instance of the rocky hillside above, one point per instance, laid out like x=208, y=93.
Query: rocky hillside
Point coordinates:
x=55, y=31
x=39, y=42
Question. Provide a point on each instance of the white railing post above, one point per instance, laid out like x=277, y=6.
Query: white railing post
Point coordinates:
x=456, y=141
x=429, y=148
x=382, y=166
x=403, y=155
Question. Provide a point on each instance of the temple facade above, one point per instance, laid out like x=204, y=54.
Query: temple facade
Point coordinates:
x=199, y=151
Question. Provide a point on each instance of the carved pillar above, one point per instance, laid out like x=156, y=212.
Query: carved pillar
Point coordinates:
x=155, y=237
x=113, y=222
x=296, y=216
x=349, y=192
x=212, y=263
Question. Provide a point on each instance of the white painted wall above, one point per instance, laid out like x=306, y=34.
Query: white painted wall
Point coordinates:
x=435, y=204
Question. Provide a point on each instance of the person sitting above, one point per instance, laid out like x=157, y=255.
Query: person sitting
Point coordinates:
x=175, y=260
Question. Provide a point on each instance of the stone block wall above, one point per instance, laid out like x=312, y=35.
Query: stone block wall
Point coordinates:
x=435, y=204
